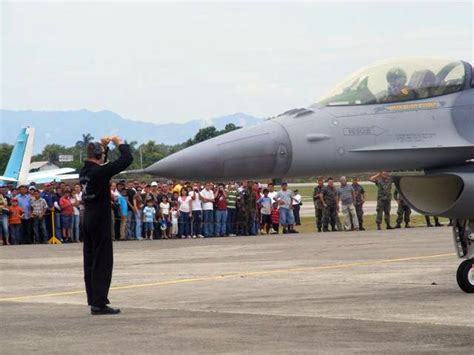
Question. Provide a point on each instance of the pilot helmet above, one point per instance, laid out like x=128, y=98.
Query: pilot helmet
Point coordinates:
x=396, y=75
x=396, y=78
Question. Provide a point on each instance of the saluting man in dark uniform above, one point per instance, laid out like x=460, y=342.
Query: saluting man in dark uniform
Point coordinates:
x=98, y=254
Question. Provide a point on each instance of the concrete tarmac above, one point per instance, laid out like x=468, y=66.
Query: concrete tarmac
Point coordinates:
x=354, y=292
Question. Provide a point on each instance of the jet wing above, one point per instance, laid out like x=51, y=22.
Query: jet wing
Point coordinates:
x=68, y=177
x=8, y=179
x=56, y=178
x=47, y=173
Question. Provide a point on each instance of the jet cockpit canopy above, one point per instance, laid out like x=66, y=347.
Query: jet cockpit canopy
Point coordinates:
x=398, y=80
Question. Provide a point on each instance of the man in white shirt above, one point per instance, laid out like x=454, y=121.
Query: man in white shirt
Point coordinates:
x=296, y=207
x=197, y=211
x=207, y=199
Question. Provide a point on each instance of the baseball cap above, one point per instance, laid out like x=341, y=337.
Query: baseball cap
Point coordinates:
x=14, y=199
x=154, y=183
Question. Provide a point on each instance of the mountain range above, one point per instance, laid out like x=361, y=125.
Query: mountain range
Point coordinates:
x=67, y=127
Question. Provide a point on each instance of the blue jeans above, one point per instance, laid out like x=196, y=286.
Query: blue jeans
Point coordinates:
x=15, y=234
x=196, y=227
x=183, y=224
x=57, y=225
x=221, y=222
x=208, y=222
x=4, y=227
x=76, y=219
x=39, y=230
x=253, y=228
x=231, y=214
x=131, y=225
x=138, y=224
x=286, y=217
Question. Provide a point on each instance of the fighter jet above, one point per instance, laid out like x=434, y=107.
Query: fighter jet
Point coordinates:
x=395, y=115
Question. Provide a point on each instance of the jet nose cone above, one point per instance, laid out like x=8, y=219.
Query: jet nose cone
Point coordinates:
x=262, y=151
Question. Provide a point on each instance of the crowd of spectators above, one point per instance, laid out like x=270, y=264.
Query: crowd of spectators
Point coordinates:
x=141, y=210
x=167, y=210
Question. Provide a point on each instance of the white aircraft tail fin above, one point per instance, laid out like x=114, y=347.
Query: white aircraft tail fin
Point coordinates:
x=19, y=164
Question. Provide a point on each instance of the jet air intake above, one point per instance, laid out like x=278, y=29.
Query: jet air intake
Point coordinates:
x=262, y=151
x=447, y=194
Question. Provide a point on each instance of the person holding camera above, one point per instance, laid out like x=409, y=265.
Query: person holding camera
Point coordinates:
x=221, y=211
x=4, y=212
x=94, y=178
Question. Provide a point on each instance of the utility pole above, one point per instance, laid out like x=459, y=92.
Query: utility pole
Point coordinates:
x=141, y=157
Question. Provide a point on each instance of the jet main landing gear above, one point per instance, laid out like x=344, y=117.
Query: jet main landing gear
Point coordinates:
x=464, y=244
x=465, y=276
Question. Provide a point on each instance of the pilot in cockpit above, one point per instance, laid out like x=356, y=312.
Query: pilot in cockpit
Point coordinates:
x=397, y=90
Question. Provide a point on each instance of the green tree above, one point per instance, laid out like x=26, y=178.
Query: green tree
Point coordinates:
x=204, y=134
x=82, y=144
x=230, y=127
x=5, y=152
x=86, y=139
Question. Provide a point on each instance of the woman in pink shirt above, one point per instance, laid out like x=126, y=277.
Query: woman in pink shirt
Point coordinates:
x=67, y=214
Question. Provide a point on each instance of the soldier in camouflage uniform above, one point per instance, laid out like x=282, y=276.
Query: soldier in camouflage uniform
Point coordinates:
x=241, y=218
x=247, y=203
x=384, y=197
x=318, y=203
x=251, y=207
x=359, y=201
x=403, y=211
x=329, y=200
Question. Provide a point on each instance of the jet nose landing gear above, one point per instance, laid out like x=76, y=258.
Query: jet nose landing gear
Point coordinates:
x=464, y=244
x=465, y=276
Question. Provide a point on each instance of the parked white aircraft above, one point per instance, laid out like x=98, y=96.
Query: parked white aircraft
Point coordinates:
x=18, y=167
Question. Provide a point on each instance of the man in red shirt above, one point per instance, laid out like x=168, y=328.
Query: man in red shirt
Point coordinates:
x=221, y=210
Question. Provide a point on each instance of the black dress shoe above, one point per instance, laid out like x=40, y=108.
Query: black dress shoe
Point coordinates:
x=96, y=311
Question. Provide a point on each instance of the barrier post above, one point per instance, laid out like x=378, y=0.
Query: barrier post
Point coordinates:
x=53, y=239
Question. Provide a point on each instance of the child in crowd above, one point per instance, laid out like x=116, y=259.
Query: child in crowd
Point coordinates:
x=165, y=216
x=14, y=221
x=275, y=218
x=123, y=203
x=265, y=203
x=174, y=220
x=149, y=219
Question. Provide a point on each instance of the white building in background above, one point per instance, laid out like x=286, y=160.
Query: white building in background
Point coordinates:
x=42, y=166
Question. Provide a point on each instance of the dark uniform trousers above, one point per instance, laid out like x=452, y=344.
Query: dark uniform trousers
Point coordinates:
x=403, y=213
x=242, y=222
x=329, y=217
x=319, y=217
x=383, y=210
x=360, y=214
x=98, y=256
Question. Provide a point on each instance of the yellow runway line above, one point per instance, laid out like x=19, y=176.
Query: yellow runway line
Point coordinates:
x=236, y=275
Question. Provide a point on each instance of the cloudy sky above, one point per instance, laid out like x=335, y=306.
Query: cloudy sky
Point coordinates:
x=173, y=62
